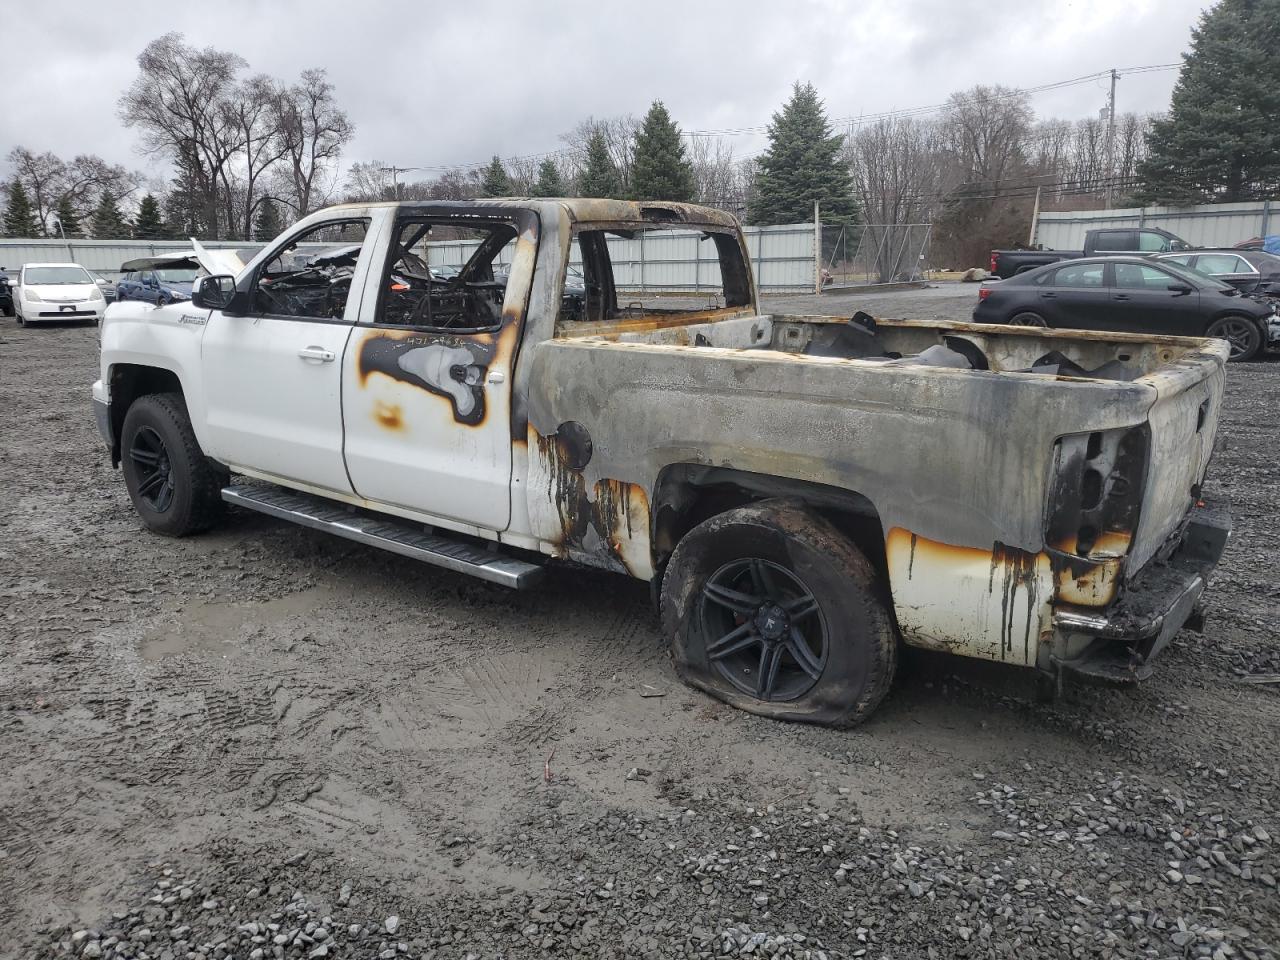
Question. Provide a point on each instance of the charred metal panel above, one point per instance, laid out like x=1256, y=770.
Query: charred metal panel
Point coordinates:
x=961, y=458
x=451, y=367
x=605, y=523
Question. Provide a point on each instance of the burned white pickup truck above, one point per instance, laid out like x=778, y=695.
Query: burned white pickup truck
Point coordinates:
x=477, y=386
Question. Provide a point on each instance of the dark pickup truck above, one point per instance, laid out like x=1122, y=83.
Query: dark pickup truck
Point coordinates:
x=1117, y=240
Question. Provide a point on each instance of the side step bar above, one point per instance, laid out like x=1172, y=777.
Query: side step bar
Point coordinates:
x=386, y=533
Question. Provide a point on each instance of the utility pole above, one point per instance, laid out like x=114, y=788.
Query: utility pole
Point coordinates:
x=817, y=248
x=395, y=172
x=1111, y=136
x=1035, y=215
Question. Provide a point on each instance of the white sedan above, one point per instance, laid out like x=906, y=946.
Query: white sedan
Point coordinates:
x=57, y=291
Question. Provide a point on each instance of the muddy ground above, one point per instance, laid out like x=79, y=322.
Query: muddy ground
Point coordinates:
x=264, y=742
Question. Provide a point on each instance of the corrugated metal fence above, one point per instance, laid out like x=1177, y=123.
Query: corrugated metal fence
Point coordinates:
x=1207, y=225
x=675, y=261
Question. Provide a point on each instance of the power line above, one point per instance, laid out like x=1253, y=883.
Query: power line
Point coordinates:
x=841, y=121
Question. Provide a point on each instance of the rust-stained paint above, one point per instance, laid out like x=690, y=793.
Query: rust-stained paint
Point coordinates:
x=994, y=603
x=388, y=415
x=607, y=523
x=983, y=603
x=1086, y=584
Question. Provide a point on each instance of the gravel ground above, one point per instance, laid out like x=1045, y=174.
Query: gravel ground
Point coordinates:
x=268, y=743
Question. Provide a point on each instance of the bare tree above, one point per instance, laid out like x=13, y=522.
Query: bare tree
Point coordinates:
x=179, y=102
x=900, y=169
x=985, y=128
x=50, y=181
x=255, y=113
x=715, y=173
x=369, y=181
x=314, y=131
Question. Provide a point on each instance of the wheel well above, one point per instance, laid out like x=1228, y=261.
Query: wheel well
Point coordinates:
x=129, y=381
x=688, y=494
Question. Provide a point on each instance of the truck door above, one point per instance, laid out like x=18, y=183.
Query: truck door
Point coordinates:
x=426, y=382
x=273, y=374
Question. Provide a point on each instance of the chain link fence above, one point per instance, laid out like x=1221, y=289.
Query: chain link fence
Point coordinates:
x=874, y=253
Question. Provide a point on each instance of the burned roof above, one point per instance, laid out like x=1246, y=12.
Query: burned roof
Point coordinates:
x=583, y=209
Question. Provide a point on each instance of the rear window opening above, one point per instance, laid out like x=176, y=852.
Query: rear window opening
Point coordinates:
x=637, y=273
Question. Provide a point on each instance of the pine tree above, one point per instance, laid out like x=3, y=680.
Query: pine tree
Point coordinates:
x=19, y=219
x=659, y=169
x=802, y=164
x=67, y=217
x=267, y=225
x=549, y=183
x=107, y=222
x=1221, y=140
x=495, y=182
x=600, y=177
x=149, y=225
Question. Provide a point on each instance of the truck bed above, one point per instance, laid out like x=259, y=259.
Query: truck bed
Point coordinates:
x=951, y=431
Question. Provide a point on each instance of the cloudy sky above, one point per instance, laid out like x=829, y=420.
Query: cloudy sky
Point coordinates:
x=435, y=84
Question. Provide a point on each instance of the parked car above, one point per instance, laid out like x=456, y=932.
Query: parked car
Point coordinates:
x=57, y=291
x=1249, y=271
x=1112, y=240
x=157, y=280
x=750, y=467
x=1131, y=294
x=107, y=287
x=6, y=295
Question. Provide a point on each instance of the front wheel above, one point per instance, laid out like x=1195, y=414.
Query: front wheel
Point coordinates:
x=773, y=610
x=174, y=487
x=1241, y=333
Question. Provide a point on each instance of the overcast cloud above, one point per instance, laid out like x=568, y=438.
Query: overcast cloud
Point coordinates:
x=453, y=83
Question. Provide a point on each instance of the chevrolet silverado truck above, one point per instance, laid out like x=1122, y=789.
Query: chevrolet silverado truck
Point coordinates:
x=1129, y=241
x=802, y=493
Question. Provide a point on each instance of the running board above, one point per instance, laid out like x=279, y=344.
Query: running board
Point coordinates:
x=396, y=536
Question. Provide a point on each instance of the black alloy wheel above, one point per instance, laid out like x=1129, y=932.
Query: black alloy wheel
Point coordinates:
x=150, y=459
x=763, y=630
x=1241, y=333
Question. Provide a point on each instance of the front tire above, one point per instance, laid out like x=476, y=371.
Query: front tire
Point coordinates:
x=1241, y=333
x=773, y=610
x=174, y=487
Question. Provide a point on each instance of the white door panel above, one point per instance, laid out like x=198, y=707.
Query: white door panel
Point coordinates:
x=273, y=378
x=274, y=402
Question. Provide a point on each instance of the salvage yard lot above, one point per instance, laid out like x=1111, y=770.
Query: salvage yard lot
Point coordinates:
x=275, y=717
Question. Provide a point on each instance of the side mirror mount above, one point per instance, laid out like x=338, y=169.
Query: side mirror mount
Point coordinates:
x=213, y=293
x=1180, y=289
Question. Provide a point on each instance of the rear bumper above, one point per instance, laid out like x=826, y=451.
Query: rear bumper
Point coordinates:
x=1118, y=645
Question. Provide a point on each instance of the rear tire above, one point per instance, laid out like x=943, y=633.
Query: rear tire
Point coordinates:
x=174, y=487
x=773, y=610
x=1242, y=333
x=1027, y=318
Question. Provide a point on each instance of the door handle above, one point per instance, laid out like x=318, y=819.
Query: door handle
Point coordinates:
x=1048, y=296
x=1120, y=296
x=317, y=353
